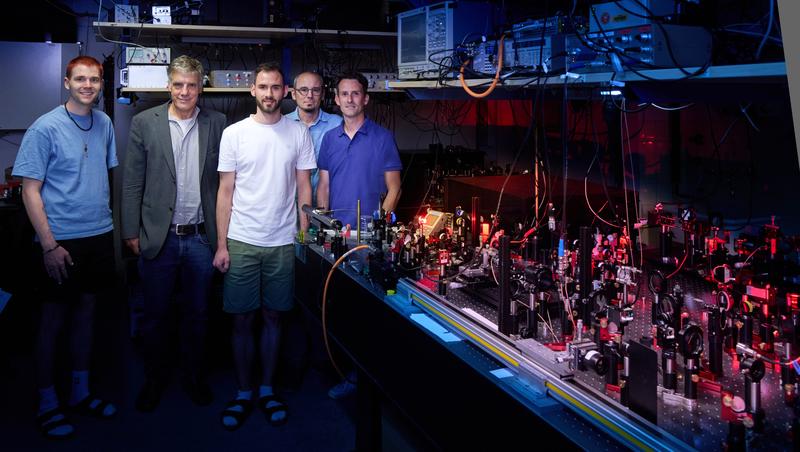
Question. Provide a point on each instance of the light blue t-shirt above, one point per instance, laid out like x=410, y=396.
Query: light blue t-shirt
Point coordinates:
x=73, y=165
x=324, y=123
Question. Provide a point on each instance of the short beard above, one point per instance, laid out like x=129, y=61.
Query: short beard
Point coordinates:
x=309, y=110
x=264, y=109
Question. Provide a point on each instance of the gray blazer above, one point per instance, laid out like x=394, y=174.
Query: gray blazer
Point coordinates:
x=148, y=184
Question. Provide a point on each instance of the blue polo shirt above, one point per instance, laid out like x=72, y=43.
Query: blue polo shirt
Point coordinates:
x=324, y=123
x=356, y=168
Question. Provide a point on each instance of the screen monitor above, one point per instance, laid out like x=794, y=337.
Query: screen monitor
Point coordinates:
x=412, y=37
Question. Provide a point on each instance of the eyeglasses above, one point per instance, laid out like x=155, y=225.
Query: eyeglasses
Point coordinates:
x=304, y=91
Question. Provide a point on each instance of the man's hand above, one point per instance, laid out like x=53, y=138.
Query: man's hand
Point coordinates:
x=56, y=261
x=133, y=244
x=222, y=260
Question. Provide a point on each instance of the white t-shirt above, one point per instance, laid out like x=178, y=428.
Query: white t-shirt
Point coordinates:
x=265, y=159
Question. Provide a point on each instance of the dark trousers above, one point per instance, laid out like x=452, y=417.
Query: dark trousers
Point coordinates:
x=185, y=262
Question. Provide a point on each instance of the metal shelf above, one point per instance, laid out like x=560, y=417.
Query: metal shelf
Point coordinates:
x=205, y=90
x=209, y=90
x=761, y=72
x=115, y=29
x=237, y=35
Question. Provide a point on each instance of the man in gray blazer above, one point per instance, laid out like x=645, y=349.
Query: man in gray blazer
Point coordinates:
x=168, y=218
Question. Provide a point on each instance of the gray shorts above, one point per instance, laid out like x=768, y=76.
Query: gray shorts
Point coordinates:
x=259, y=277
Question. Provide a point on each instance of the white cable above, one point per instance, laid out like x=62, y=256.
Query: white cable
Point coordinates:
x=672, y=108
x=543, y=197
x=635, y=197
x=625, y=177
x=747, y=116
x=549, y=327
x=100, y=29
x=586, y=196
x=753, y=253
x=588, y=204
x=549, y=322
x=752, y=33
x=567, y=307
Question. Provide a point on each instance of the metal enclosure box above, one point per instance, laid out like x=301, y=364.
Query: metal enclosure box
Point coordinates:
x=29, y=93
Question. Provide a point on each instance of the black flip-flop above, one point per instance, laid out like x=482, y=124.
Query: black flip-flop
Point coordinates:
x=269, y=411
x=51, y=420
x=240, y=416
x=93, y=407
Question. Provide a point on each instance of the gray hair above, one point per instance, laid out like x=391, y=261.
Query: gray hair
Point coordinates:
x=186, y=64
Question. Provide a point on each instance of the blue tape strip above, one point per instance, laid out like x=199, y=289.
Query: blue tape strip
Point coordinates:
x=434, y=327
x=502, y=373
x=4, y=297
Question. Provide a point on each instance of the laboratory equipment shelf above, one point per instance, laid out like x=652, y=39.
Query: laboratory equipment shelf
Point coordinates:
x=209, y=90
x=760, y=72
x=115, y=29
x=205, y=90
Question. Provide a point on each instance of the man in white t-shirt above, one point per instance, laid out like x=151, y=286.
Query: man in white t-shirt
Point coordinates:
x=265, y=163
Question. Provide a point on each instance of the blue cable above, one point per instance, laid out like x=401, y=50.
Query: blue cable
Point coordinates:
x=769, y=29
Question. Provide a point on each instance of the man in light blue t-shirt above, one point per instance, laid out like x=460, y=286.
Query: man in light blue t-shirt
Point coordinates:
x=64, y=159
x=308, y=92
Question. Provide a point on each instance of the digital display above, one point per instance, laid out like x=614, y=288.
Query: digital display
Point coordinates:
x=412, y=38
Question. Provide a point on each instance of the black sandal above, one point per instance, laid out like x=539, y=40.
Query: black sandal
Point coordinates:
x=51, y=420
x=240, y=416
x=269, y=411
x=93, y=407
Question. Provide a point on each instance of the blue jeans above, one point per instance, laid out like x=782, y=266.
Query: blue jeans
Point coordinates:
x=182, y=268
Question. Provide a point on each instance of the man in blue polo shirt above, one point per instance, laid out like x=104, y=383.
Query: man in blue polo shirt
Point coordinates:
x=358, y=160
x=308, y=92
